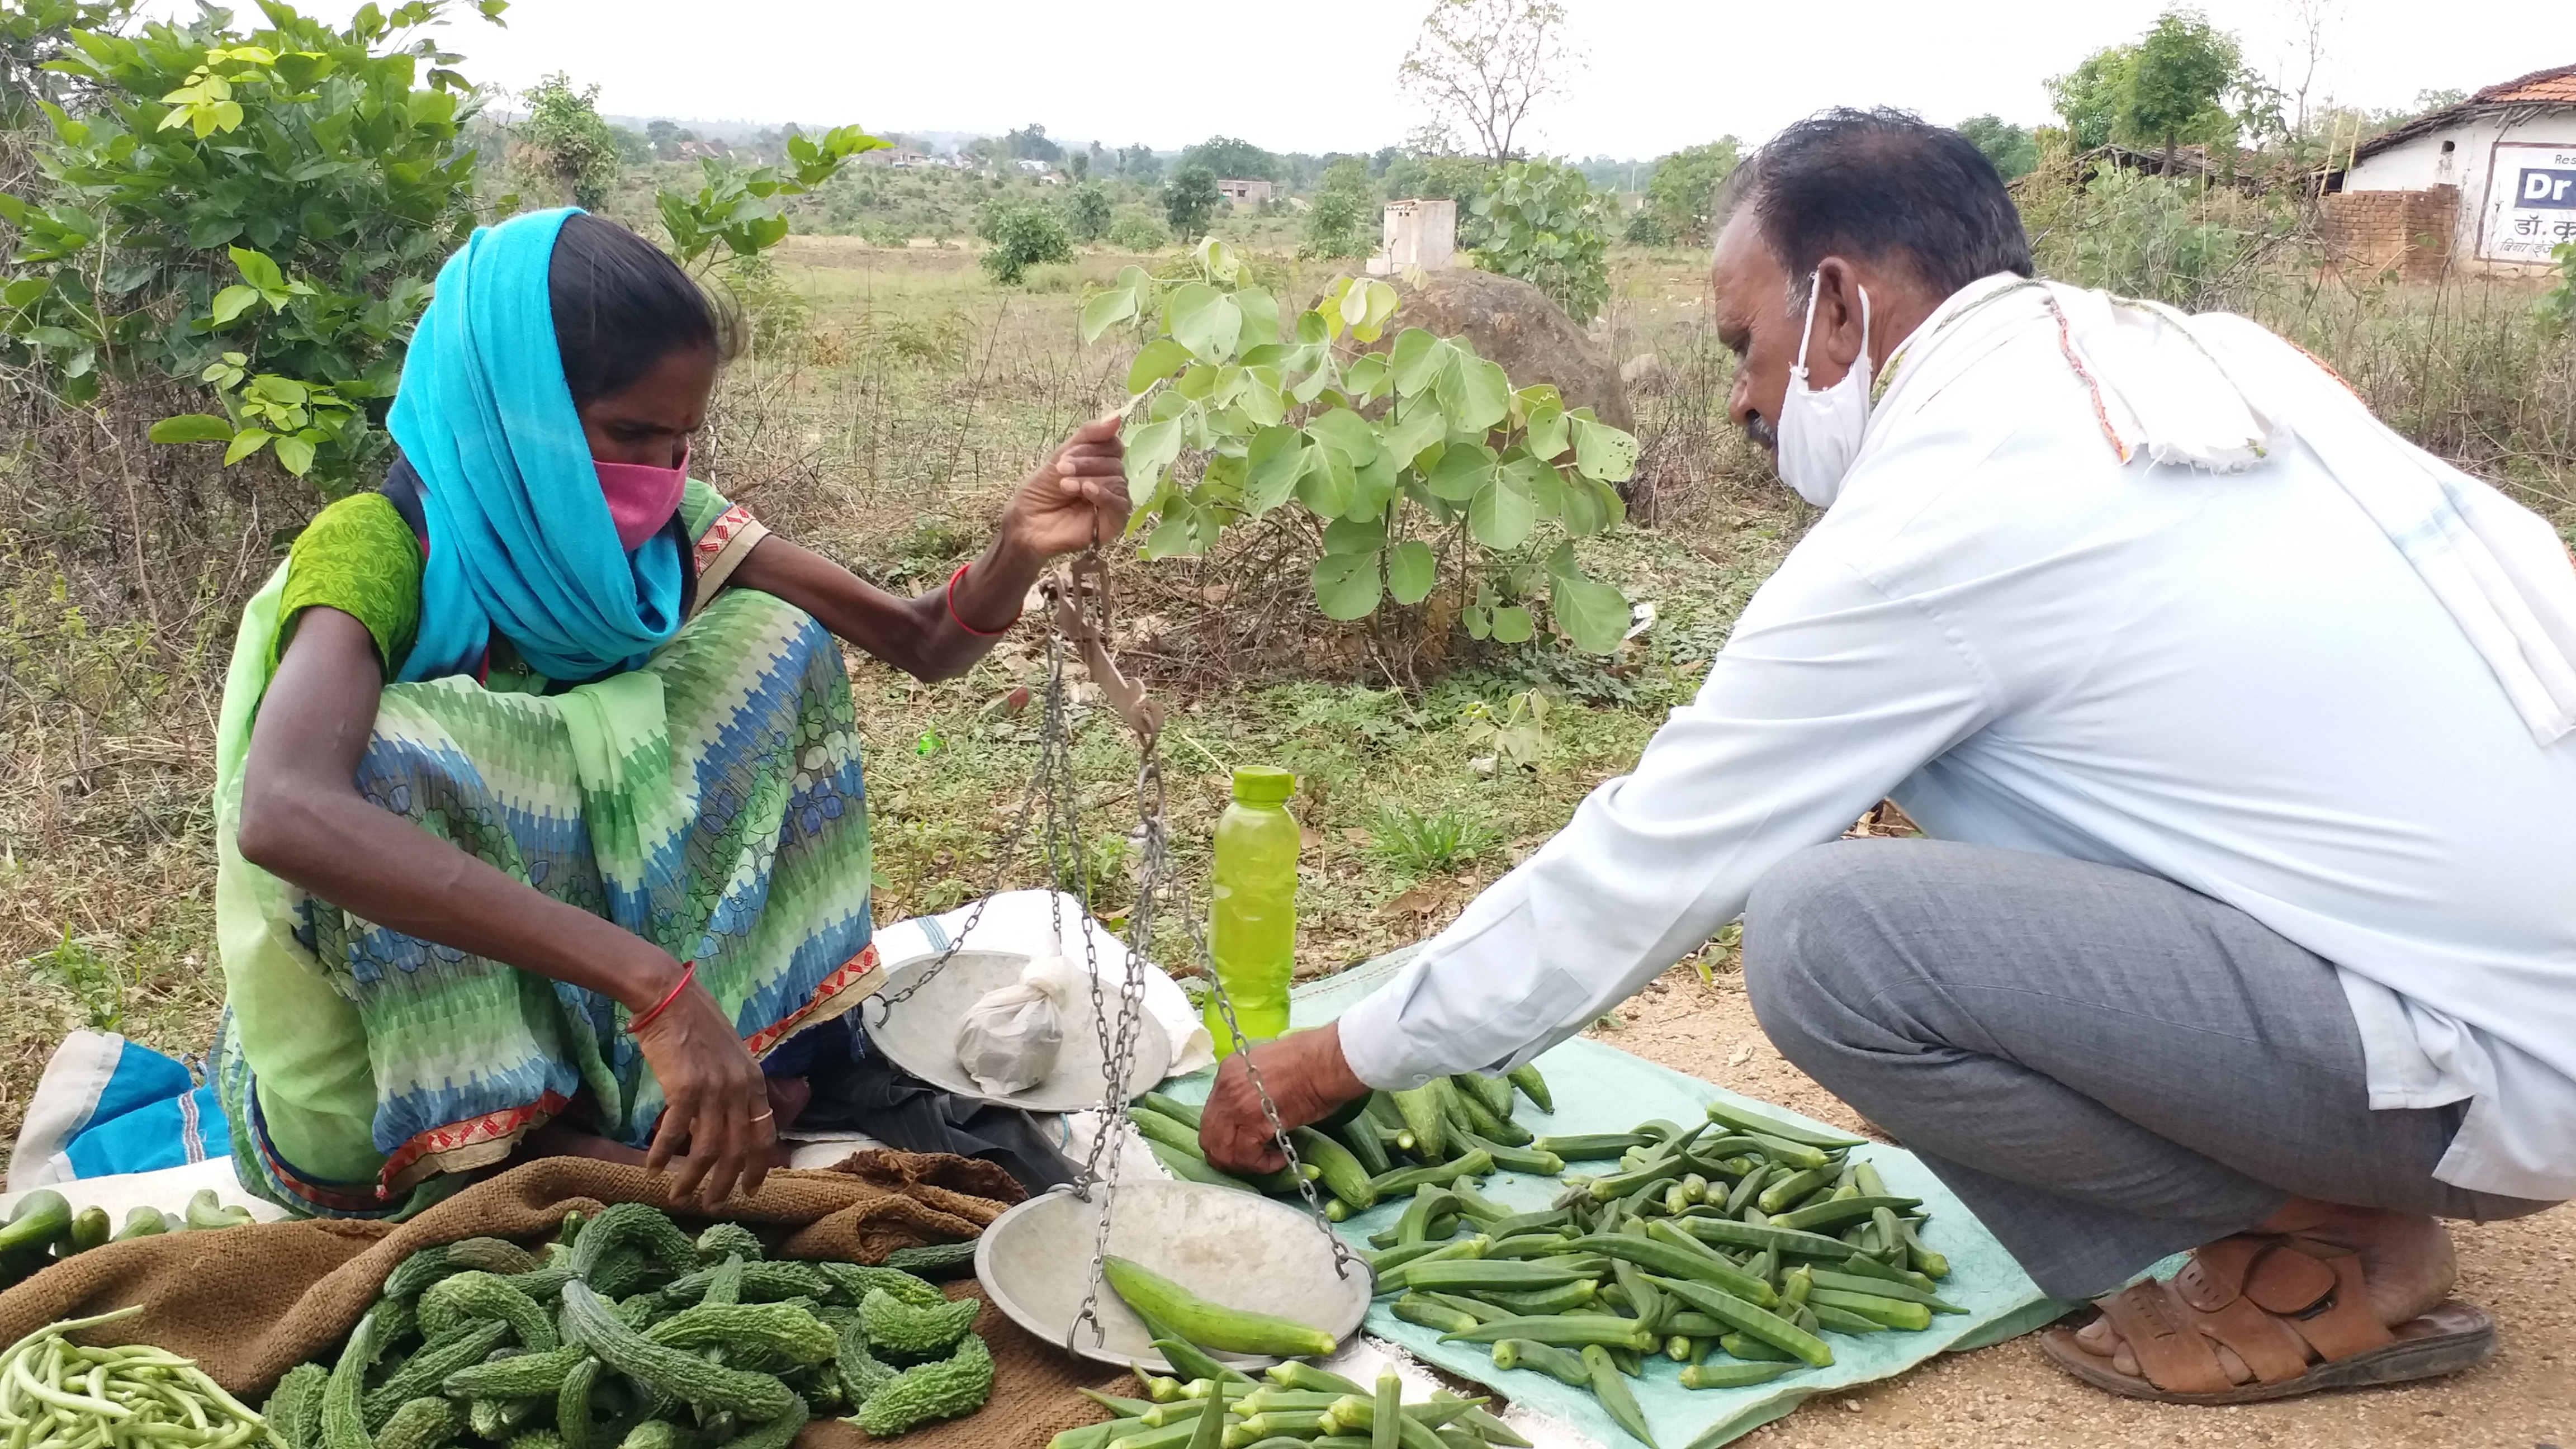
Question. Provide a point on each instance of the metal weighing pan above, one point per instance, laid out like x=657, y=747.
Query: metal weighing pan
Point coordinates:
x=1227, y=1246
x=920, y=1035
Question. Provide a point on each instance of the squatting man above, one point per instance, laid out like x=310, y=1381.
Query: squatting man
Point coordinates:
x=2241, y=732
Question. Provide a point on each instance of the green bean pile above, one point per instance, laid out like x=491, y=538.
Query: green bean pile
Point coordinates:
x=57, y=1394
x=1733, y=1247
x=625, y=1333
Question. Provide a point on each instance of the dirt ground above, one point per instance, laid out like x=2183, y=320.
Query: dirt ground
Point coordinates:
x=2523, y=1272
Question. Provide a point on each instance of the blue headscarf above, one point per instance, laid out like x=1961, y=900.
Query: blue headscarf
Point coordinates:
x=520, y=538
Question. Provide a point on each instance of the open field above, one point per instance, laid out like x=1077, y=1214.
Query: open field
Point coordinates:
x=890, y=400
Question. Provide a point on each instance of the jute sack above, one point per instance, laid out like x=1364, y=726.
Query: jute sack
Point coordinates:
x=249, y=1303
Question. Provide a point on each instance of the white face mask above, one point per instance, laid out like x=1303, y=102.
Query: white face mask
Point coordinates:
x=1820, y=431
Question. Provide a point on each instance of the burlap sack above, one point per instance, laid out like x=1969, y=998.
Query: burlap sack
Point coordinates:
x=249, y=1303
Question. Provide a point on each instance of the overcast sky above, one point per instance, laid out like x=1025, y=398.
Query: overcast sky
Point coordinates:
x=1319, y=75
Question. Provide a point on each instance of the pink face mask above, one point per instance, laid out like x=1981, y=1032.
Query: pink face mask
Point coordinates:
x=641, y=498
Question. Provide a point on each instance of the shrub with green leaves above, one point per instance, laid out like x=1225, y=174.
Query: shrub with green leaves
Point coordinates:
x=260, y=210
x=1022, y=236
x=1134, y=231
x=566, y=145
x=1340, y=222
x=1540, y=221
x=738, y=206
x=1412, y=465
x=2557, y=306
x=1087, y=212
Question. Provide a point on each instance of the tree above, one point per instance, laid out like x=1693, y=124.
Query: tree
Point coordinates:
x=1484, y=65
x=2088, y=98
x=2013, y=149
x=1540, y=222
x=1030, y=143
x=1233, y=159
x=1683, y=189
x=1022, y=237
x=1337, y=224
x=664, y=136
x=565, y=140
x=1189, y=199
x=1086, y=211
x=32, y=33
x=1077, y=165
x=1139, y=163
x=2183, y=70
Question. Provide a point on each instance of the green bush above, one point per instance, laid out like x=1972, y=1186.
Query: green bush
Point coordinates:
x=1540, y=221
x=1134, y=231
x=2557, y=306
x=1022, y=236
x=262, y=211
x=1645, y=229
x=1190, y=201
x=1684, y=187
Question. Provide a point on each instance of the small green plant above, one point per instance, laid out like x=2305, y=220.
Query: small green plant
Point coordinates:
x=1513, y=737
x=77, y=969
x=2557, y=306
x=1022, y=236
x=1399, y=456
x=1421, y=844
x=737, y=207
x=1540, y=221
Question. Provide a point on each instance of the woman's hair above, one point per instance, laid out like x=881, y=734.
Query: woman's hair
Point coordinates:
x=621, y=306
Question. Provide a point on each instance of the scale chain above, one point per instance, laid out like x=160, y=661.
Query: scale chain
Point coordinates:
x=1343, y=1261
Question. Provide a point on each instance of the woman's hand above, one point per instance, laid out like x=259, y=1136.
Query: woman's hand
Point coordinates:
x=1075, y=499
x=714, y=1099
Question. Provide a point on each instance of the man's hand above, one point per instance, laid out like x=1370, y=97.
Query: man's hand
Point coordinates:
x=1307, y=1079
x=1075, y=499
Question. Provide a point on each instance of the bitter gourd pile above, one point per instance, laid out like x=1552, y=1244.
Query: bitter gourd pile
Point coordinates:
x=626, y=1334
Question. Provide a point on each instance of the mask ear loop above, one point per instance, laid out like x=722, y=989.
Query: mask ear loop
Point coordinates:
x=1807, y=331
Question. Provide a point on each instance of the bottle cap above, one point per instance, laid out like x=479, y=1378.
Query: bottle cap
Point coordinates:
x=1263, y=785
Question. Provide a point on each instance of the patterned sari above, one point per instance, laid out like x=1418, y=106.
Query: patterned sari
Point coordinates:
x=709, y=801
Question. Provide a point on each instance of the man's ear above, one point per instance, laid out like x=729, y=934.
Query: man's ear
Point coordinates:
x=1840, y=333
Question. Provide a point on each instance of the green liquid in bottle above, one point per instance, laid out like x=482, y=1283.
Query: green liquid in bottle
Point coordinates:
x=1253, y=930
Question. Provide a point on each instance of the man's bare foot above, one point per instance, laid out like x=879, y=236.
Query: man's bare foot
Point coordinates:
x=2406, y=1264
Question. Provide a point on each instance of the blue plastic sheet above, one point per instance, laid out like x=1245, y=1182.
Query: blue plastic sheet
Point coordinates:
x=1599, y=1088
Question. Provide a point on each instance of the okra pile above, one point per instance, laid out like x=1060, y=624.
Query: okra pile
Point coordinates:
x=1736, y=1248
x=44, y=1230
x=624, y=1333
x=1384, y=1145
x=1292, y=1404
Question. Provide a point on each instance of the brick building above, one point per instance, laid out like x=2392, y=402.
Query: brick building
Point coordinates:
x=2486, y=185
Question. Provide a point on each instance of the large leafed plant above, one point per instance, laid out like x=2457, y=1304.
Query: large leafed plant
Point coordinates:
x=1413, y=464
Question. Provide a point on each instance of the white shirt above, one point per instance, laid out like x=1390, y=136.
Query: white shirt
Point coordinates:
x=2232, y=681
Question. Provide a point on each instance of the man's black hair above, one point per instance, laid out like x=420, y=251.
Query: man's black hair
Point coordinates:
x=1880, y=186
x=621, y=306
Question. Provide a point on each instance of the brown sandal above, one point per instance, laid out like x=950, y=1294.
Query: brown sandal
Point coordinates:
x=2294, y=1311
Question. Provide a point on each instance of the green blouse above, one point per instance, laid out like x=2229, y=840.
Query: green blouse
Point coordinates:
x=358, y=556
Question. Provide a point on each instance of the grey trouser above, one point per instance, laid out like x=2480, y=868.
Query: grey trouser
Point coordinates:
x=2105, y=1066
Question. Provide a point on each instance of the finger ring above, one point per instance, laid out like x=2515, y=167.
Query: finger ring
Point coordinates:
x=765, y=1116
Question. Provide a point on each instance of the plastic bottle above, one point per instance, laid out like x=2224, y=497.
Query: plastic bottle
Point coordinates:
x=1253, y=930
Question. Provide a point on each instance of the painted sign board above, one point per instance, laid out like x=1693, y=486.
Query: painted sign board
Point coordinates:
x=2530, y=203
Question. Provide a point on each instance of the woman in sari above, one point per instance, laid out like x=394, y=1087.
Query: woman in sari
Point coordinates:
x=539, y=814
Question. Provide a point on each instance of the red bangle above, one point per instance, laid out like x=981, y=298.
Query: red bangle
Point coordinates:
x=688, y=974
x=961, y=623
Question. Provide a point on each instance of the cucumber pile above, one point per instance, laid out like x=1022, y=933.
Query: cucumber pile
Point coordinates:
x=1735, y=1247
x=624, y=1333
x=44, y=1230
x=1384, y=1145
x=1291, y=1404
